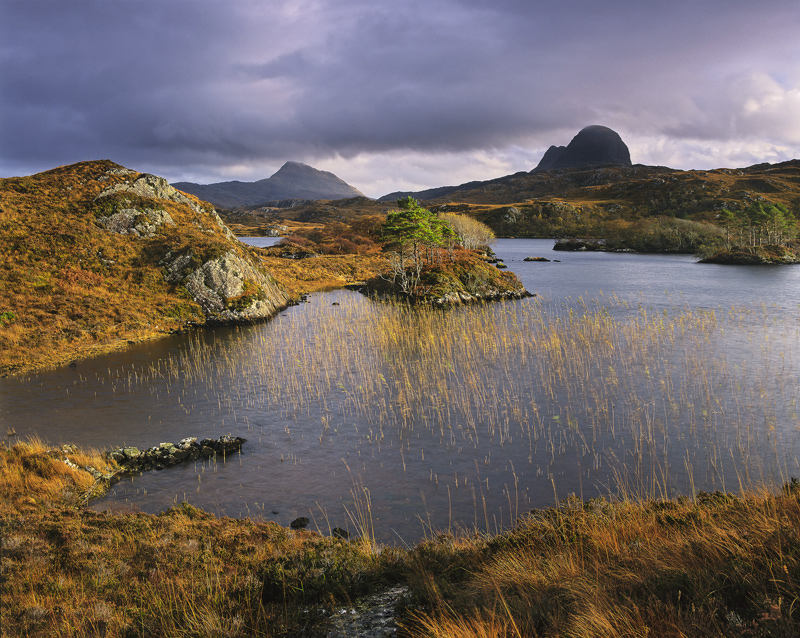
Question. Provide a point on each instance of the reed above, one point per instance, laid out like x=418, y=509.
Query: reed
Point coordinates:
x=603, y=396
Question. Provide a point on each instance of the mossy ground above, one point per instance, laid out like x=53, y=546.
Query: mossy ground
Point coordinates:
x=713, y=565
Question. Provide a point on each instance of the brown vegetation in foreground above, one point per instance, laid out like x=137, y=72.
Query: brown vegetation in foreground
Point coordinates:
x=715, y=565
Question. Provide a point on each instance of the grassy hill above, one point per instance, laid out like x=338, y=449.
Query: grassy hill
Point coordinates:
x=627, y=204
x=95, y=256
x=638, y=205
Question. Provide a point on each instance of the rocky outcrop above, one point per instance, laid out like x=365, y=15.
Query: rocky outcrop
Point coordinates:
x=133, y=461
x=139, y=222
x=464, y=281
x=229, y=289
x=579, y=245
x=130, y=460
x=222, y=278
x=754, y=256
x=592, y=146
x=154, y=187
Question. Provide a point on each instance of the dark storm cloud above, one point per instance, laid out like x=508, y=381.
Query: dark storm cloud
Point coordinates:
x=207, y=87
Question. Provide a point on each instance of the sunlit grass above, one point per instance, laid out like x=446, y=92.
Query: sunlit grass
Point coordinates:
x=720, y=565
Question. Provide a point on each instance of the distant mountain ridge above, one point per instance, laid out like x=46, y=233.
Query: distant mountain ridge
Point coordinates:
x=593, y=146
x=294, y=180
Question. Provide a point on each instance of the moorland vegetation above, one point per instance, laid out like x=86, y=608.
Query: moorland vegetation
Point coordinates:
x=639, y=208
x=706, y=564
x=95, y=256
x=712, y=564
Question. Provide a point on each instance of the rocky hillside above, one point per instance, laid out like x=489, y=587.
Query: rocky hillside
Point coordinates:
x=96, y=255
x=583, y=202
x=592, y=146
x=294, y=181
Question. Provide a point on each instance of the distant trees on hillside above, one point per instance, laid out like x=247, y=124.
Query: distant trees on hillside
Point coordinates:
x=759, y=224
x=470, y=232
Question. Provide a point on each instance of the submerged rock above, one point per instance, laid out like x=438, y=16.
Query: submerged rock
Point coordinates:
x=301, y=522
x=132, y=461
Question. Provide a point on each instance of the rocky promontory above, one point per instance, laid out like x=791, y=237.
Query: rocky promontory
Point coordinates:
x=97, y=255
x=753, y=256
x=132, y=461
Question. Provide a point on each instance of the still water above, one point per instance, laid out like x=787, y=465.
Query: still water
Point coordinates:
x=645, y=374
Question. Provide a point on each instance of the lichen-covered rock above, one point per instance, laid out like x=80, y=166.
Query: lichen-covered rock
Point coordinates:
x=169, y=454
x=155, y=187
x=152, y=187
x=228, y=288
x=133, y=221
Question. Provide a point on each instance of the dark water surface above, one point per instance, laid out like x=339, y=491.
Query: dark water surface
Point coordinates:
x=650, y=373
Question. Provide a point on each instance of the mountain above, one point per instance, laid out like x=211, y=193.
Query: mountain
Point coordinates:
x=293, y=181
x=96, y=255
x=592, y=146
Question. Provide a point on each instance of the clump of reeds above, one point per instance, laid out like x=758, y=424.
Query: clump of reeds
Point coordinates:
x=712, y=566
x=584, y=396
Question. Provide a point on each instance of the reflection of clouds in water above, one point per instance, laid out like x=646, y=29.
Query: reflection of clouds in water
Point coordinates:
x=464, y=416
x=497, y=404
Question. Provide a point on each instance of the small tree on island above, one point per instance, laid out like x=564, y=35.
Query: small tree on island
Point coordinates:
x=471, y=233
x=414, y=237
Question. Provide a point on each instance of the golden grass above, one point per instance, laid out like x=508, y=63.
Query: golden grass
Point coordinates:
x=720, y=566
x=33, y=474
x=324, y=272
x=69, y=288
x=72, y=572
x=713, y=565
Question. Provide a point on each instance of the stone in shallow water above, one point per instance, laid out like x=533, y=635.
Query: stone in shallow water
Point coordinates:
x=371, y=617
x=299, y=523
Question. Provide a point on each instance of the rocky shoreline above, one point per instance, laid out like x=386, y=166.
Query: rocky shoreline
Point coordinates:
x=754, y=256
x=168, y=454
x=130, y=460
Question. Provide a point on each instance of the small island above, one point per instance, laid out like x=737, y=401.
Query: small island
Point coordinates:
x=439, y=259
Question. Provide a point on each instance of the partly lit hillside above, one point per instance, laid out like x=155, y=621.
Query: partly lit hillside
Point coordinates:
x=95, y=256
x=596, y=202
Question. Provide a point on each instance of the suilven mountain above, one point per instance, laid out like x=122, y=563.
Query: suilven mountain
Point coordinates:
x=593, y=147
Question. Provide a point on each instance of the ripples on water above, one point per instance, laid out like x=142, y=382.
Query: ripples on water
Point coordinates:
x=419, y=420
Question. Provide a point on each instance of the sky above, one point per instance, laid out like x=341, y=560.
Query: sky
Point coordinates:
x=400, y=95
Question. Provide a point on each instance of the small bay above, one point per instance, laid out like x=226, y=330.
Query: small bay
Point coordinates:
x=648, y=375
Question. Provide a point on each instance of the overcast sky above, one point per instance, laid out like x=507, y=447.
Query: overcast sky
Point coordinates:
x=400, y=95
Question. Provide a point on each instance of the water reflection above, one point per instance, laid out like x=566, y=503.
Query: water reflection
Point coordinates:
x=459, y=417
